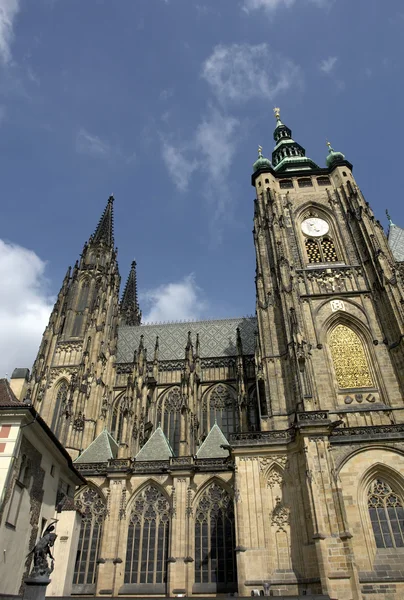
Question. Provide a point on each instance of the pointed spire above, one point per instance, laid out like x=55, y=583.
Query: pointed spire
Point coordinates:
x=130, y=311
x=389, y=217
x=197, y=347
x=333, y=156
x=288, y=155
x=156, y=349
x=104, y=232
x=239, y=343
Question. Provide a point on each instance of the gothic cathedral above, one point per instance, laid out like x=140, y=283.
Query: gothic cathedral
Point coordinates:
x=241, y=455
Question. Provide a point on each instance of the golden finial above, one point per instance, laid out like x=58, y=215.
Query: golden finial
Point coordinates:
x=260, y=150
x=277, y=113
x=329, y=145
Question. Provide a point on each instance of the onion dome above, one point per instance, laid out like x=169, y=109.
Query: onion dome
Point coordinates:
x=261, y=162
x=333, y=156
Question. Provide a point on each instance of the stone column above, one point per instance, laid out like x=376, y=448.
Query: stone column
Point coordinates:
x=179, y=581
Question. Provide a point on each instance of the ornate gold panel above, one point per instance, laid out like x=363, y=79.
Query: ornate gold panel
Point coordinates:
x=349, y=358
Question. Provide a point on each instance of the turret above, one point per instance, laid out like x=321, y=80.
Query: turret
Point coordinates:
x=130, y=313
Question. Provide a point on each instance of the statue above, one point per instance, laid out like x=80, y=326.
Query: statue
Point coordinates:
x=41, y=551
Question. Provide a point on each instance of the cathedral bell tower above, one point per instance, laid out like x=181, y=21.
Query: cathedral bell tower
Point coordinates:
x=329, y=296
x=70, y=378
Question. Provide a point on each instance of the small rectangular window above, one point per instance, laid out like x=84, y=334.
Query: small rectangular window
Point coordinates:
x=305, y=183
x=286, y=184
x=15, y=504
x=323, y=181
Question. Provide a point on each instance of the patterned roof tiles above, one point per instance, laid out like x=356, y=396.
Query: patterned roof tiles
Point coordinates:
x=396, y=242
x=217, y=338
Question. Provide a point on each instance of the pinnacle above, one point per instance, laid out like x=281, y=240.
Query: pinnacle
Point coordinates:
x=104, y=232
x=130, y=311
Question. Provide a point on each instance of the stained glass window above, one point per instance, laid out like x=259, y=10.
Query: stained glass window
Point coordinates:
x=215, y=560
x=93, y=511
x=220, y=407
x=349, y=358
x=386, y=514
x=148, y=535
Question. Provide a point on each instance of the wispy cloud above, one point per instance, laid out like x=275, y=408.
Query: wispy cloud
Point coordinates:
x=8, y=12
x=328, y=64
x=24, y=306
x=96, y=147
x=173, y=301
x=271, y=6
x=180, y=167
x=238, y=73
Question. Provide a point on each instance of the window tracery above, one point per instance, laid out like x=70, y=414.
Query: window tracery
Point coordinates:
x=215, y=538
x=349, y=358
x=221, y=408
x=169, y=416
x=386, y=512
x=93, y=511
x=321, y=250
x=148, y=535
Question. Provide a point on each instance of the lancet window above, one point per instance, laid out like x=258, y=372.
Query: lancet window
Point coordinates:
x=117, y=422
x=93, y=510
x=82, y=303
x=148, y=535
x=349, y=358
x=386, y=512
x=169, y=416
x=220, y=407
x=61, y=400
x=215, y=561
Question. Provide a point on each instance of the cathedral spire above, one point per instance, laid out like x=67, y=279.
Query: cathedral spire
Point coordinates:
x=104, y=233
x=130, y=311
x=288, y=155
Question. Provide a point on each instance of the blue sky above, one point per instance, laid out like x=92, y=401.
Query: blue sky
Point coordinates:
x=163, y=103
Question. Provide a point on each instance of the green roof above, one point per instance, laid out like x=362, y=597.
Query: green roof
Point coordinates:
x=157, y=447
x=211, y=446
x=100, y=450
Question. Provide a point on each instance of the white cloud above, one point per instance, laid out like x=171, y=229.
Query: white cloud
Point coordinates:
x=24, y=306
x=8, y=11
x=215, y=138
x=87, y=143
x=328, y=64
x=174, y=301
x=179, y=166
x=242, y=72
x=270, y=6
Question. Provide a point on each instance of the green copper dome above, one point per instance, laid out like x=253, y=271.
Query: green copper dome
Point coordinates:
x=333, y=156
x=261, y=162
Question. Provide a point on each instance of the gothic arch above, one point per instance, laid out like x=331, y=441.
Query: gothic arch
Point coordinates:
x=147, y=544
x=349, y=303
x=391, y=481
x=168, y=415
x=60, y=394
x=116, y=418
x=214, y=539
x=215, y=479
x=219, y=404
x=91, y=503
x=143, y=486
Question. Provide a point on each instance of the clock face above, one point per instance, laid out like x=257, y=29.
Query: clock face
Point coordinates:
x=315, y=227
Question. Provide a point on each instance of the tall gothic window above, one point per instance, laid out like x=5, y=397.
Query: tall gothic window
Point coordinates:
x=386, y=514
x=349, y=358
x=220, y=407
x=82, y=303
x=93, y=511
x=148, y=534
x=215, y=560
x=61, y=399
x=169, y=416
x=117, y=422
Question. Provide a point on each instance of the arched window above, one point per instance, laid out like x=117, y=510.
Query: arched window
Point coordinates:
x=147, y=545
x=61, y=400
x=252, y=411
x=82, y=303
x=221, y=408
x=215, y=560
x=117, y=422
x=93, y=511
x=169, y=416
x=386, y=514
x=349, y=358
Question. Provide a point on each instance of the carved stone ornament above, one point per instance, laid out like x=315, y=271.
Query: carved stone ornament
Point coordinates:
x=274, y=478
x=280, y=517
x=337, y=305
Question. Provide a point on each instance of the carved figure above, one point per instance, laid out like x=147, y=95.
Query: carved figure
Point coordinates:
x=41, y=552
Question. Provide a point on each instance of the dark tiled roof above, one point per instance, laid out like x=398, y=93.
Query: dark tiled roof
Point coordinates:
x=217, y=338
x=20, y=374
x=7, y=396
x=211, y=447
x=100, y=450
x=396, y=242
x=157, y=447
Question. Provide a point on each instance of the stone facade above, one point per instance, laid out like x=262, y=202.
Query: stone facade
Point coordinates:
x=308, y=394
